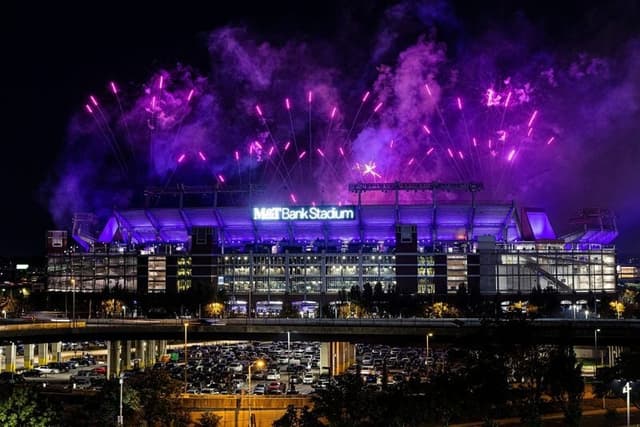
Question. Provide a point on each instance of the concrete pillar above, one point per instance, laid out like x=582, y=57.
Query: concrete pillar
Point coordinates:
x=151, y=353
x=336, y=357
x=56, y=351
x=162, y=348
x=113, y=358
x=9, y=357
x=325, y=358
x=127, y=355
x=141, y=354
x=43, y=354
x=28, y=356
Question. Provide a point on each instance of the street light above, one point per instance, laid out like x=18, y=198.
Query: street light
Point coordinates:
x=627, y=390
x=186, y=325
x=430, y=334
x=73, y=301
x=259, y=364
x=120, y=420
x=595, y=344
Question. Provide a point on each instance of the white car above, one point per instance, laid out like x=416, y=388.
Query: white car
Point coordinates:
x=47, y=370
x=307, y=379
x=273, y=376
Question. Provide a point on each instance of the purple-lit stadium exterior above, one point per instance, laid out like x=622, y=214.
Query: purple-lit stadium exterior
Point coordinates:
x=426, y=247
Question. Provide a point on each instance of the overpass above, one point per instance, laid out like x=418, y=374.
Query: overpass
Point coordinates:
x=463, y=331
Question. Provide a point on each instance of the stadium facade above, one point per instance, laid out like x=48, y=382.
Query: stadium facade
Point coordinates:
x=265, y=250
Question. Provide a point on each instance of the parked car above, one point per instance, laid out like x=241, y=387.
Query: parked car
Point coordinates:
x=259, y=389
x=32, y=373
x=47, y=370
x=274, y=388
x=308, y=379
x=273, y=375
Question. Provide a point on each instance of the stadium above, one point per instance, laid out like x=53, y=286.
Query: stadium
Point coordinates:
x=263, y=251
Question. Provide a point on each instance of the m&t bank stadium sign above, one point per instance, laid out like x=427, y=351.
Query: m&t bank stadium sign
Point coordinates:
x=305, y=213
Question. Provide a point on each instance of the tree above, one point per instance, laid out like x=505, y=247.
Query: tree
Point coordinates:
x=25, y=408
x=209, y=419
x=289, y=419
x=106, y=405
x=159, y=398
x=564, y=383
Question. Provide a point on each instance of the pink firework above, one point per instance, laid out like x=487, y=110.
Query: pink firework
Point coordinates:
x=88, y=108
x=375, y=110
x=202, y=156
x=430, y=150
x=191, y=92
x=287, y=104
x=529, y=132
x=320, y=152
x=512, y=153
x=182, y=157
x=333, y=112
x=221, y=179
x=450, y=152
x=237, y=155
x=287, y=145
x=153, y=102
x=426, y=129
x=459, y=103
x=114, y=88
x=551, y=140
x=475, y=142
x=506, y=102
x=341, y=151
x=366, y=96
x=93, y=99
x=411, y=161
x=533, y=117
x=426, y=86
x=391, y=144
x=271, y=150
x=310, y=97
x=293, y=198
x=460, y=155
x=161, y=82
x=259, y=110
x=304, y=153
x=370, y=169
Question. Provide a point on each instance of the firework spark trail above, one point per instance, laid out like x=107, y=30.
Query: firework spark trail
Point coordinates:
x=310, y=98
x=355, y=119
x=447, y=133
x=125, y=122
x=106, y=137
x=288, y=179
x=470, y=166
x=109, y=135
x=287, y=105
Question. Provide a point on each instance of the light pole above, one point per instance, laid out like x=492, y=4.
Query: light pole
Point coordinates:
x=186, y=325
x=430, y=334
x=627, y=390
x=73, y=301
x=120, y=421
x=595, y=344
x=259, y=364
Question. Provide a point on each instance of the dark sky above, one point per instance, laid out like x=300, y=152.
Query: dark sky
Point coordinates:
x=54, y=56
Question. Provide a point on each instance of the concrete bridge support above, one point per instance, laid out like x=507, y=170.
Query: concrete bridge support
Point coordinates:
x=29, y=352
x=126, y=363
x=151, y=353
x=56, y=351
x=162, y=348
x=114, y=354
x=9, y=352
x=141, y=354
x=336, y=357
x=43, y=354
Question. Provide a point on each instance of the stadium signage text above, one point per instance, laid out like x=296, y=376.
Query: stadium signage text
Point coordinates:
x=305, y=213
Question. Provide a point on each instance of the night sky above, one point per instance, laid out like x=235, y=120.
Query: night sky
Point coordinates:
x=581, y=57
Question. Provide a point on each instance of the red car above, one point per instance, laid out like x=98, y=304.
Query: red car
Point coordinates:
x=102, y=370
x=274, y=388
